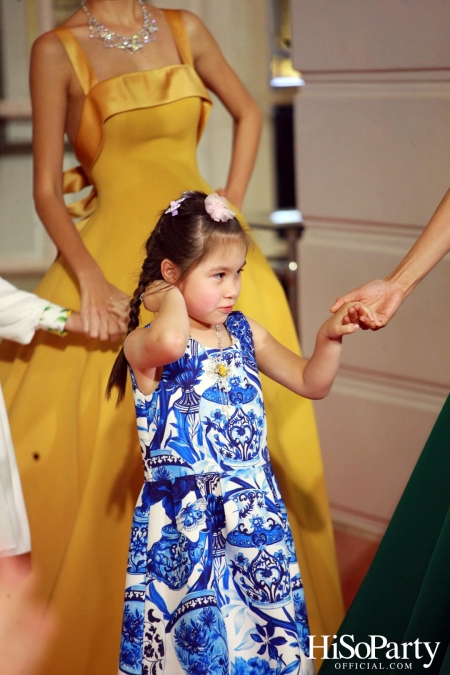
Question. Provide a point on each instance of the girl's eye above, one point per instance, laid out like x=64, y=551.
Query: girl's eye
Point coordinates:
x=220, y=275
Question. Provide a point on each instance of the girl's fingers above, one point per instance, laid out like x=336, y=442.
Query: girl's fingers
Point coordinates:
x=340, y=330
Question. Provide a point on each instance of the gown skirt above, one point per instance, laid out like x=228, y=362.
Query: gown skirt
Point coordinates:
x=78, y=455
x=405, y=595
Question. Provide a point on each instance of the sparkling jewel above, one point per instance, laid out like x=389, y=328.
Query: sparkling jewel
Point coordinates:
x=112, y=39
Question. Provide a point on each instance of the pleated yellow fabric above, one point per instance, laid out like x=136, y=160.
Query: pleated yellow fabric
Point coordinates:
x=79, y=455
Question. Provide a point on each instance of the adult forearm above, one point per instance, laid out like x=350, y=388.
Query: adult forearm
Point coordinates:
x=246, y=135
x=65, y=236
x=432, y=245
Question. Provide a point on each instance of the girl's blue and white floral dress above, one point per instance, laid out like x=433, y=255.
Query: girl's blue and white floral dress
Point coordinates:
x=213, y=585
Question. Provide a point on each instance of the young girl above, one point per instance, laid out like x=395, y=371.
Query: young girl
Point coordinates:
x=213, y=583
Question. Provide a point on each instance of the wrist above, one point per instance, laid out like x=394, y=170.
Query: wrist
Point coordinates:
x=89, y=272
x=85, y=267
x=402, y=282
x=324, y=340
x=234, y=197
x=54, y=318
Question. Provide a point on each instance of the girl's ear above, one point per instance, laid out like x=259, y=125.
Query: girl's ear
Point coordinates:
x=169, y=271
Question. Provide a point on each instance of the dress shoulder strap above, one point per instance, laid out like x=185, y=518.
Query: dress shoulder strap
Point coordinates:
x=238, y=327
x=78, y=58
x=178, y=30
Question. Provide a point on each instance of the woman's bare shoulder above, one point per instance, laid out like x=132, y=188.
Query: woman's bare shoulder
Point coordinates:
x=191, y=21
x=47, y=47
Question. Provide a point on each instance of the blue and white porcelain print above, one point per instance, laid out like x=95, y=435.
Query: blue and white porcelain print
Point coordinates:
x=132, y=631
x=199, y=635
x=172, y=558
x=213, y=585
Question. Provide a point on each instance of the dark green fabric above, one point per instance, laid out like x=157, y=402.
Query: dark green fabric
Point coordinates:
x=406, y=593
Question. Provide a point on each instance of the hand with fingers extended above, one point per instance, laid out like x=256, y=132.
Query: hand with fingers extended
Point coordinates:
x=347, y=319
x=382, y=296
x=96, y=293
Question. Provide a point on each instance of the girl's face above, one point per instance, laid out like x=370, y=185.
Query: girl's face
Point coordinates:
x=212, y=288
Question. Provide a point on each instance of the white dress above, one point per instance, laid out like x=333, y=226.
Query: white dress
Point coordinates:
x=21, y=314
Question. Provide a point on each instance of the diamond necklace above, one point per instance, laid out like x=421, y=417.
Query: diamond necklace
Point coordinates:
x=112, y=39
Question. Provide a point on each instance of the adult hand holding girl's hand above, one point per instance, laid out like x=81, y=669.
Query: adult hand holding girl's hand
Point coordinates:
x=348, y=319
x=382, y=296
x=96, y=293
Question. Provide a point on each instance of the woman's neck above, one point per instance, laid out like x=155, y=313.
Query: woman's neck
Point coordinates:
x=124, y=13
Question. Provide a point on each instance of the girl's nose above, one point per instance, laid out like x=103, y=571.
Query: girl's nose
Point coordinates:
x=232, y=290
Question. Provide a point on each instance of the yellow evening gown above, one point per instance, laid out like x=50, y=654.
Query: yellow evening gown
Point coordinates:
x=78, y=455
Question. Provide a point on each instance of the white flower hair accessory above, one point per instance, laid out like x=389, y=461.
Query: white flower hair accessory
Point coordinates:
x=217, y=207
x=173, y=208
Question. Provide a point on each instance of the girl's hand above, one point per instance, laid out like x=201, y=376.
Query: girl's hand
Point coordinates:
x=96, y=292
x=155, y=294
x=348, y=319
x=382, y=296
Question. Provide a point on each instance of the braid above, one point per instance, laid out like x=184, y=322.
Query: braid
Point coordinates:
x=118, y=376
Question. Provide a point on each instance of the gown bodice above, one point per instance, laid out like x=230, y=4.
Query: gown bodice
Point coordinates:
x=136, y=144
x=145, y=90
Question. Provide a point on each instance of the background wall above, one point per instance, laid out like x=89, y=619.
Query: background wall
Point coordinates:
x=373, y=161
x=25, y=251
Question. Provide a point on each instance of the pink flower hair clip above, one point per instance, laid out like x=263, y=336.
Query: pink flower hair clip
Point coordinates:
x=173, y=208
x=217, y=207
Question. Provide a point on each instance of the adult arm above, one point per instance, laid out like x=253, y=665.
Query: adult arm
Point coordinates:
x=221, y=79
x=50, y=79
x=384, y=296
x=22, y=313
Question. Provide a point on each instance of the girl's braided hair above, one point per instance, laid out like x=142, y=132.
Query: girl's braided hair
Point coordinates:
x=185, y=239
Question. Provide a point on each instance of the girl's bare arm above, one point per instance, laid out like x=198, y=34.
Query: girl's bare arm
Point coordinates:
x=311, y=377
x=165, y=341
